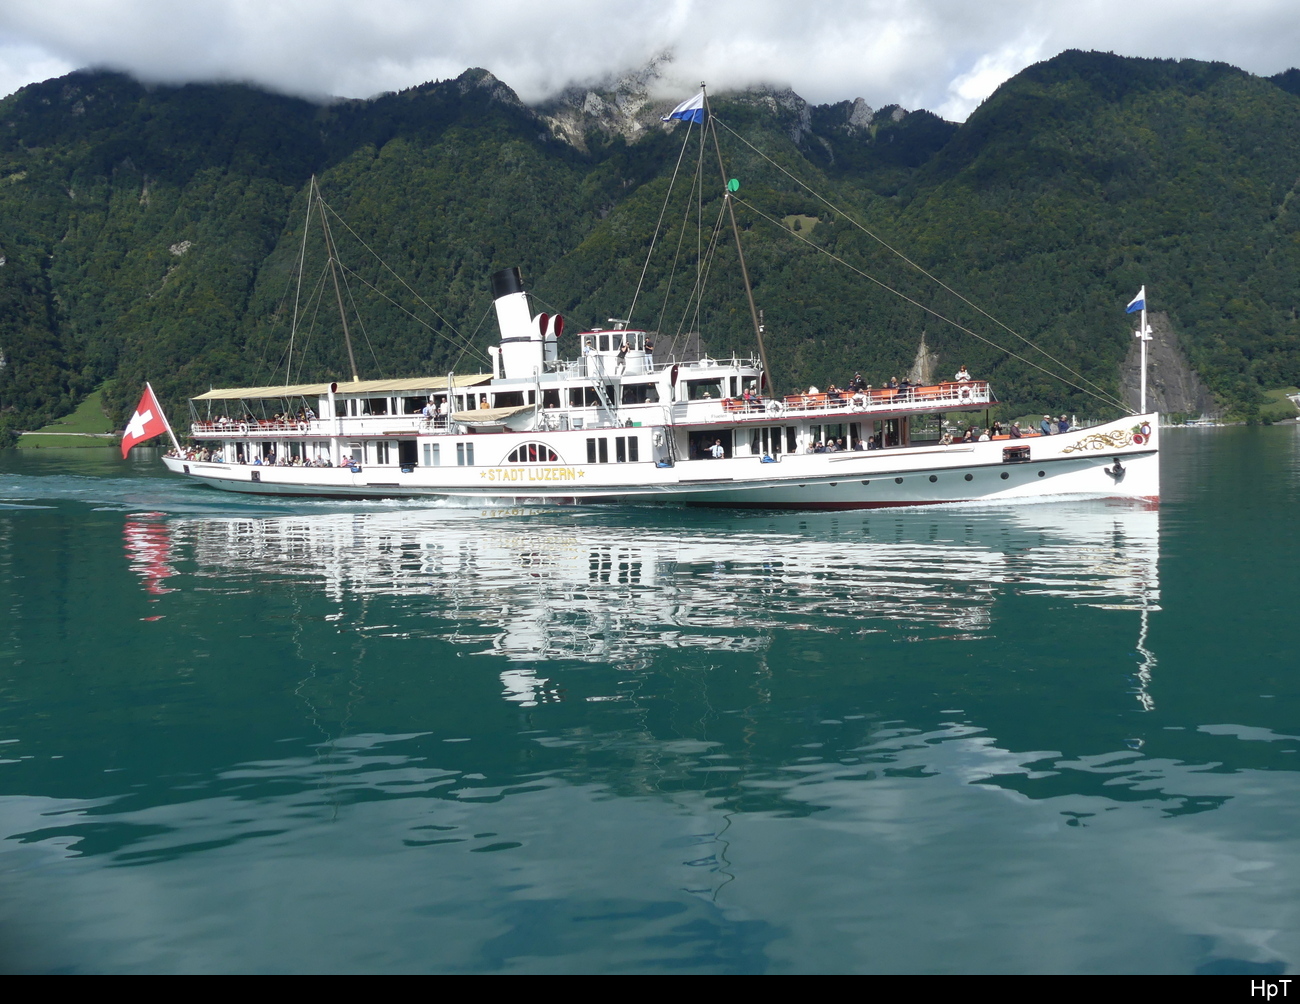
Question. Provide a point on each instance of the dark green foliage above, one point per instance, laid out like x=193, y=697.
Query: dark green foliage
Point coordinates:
x=154, y=233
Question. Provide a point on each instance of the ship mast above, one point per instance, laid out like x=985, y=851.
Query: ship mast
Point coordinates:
x=740, y=251
x=334, y=274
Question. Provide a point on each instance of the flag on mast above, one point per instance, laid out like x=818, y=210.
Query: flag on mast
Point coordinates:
x=1138, y=302
x=690, y=110
x=147, y=422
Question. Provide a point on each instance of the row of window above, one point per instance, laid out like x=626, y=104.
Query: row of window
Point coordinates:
x=627, y=450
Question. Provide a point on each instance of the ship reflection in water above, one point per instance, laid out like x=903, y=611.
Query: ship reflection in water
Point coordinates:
x=602, y=587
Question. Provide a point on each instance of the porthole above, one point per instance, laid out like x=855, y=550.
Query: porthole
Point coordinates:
x=898, y=481
x=1042, y=474
x=934, y=477
x=1005, y=475
x=970, y=477
x=834, y=483
x=866, y=482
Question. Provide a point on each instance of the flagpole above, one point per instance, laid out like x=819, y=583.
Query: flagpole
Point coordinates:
x=1142, y=337
x=164, y=416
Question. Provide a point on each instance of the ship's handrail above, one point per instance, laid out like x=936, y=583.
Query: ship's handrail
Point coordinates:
x=253, y=428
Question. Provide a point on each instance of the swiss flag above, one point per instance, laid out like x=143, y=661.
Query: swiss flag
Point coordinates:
x=146, y=423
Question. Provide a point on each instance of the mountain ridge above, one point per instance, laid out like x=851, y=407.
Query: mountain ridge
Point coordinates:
x=1078, y=178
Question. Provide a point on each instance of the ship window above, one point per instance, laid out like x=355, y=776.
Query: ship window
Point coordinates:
x=509, y=399
x=340, y=408
x=620, y=449
x=603, y=343
x=374, y=406
x=591, y=451
x=791, y=440
x=460, y=454
x=532, y=453
x=603, y=444
x=633, y=449
x=413, y=405
x=550, y=399
x=428, y=460
x=640, y=393
x=698, y=390
x=437, y=454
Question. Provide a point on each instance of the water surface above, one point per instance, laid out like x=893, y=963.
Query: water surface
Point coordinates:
x=290, y=736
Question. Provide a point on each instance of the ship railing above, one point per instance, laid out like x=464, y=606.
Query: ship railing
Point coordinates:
x=940, y=397
x=251, y=428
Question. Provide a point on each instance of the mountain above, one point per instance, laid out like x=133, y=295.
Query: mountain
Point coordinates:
x=152, y=232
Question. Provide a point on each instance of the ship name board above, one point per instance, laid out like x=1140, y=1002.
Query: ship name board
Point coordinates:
x=533, y=473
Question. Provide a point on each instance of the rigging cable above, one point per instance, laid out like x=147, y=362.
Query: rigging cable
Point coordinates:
x=917, y=303
x=662, y=209
x=1100, y=392
x=415, y=317
x=302, y=261
x=381, y=261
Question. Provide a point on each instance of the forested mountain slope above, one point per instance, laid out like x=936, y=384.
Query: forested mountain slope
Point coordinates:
x=155, y=232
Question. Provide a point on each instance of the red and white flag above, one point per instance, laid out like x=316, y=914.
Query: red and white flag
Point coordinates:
x=146, y=423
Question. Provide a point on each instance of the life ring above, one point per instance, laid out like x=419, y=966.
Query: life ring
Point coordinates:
x=659, y=437
x=964, y=393
x=243, y=428
x=774, y=407
x=302, y=426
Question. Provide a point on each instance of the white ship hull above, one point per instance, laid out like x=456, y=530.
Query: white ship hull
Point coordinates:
x=1108, y=461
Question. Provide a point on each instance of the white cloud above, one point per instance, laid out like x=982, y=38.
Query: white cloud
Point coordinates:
x=941, y=54
x=991, y=70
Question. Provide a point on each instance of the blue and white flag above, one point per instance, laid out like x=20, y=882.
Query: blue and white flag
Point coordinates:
x=1138, y=302
x=690, y=110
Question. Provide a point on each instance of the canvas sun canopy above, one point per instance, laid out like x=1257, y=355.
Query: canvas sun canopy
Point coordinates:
x=489, y=416
x=359, y=387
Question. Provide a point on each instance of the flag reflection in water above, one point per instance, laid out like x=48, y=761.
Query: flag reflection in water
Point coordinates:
x=148, y=550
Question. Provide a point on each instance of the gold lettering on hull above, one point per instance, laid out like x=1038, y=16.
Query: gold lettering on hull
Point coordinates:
x=532, y=473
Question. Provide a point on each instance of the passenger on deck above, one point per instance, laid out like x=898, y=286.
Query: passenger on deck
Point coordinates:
x=1046, y=426
x=859, y=445
x=1063, y=424
x=622, y=356
x=963, y=375
x=945, y=439
x=984, y=436
x=716, y=451
x=1015, y=430
x=857, y=383
x=893, y=383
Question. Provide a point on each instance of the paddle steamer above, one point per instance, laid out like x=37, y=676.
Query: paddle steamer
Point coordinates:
x=617, y=425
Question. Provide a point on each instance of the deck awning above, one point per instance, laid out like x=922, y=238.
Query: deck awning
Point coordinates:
x=489, y=416
x=349, y=389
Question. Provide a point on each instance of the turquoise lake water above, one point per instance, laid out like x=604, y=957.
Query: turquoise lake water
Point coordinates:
x=280, y=736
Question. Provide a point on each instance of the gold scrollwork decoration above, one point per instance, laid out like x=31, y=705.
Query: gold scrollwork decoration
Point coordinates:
x=1116, y=440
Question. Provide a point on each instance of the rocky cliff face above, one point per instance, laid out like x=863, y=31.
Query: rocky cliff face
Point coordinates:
x=1172, y=384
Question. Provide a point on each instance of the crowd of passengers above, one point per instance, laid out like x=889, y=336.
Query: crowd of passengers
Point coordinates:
x=203, y=455
x=280, y=418
x=857, y=385
x=1049, y=426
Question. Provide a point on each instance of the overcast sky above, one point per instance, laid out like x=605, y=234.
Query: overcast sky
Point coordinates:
x=945, y=55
